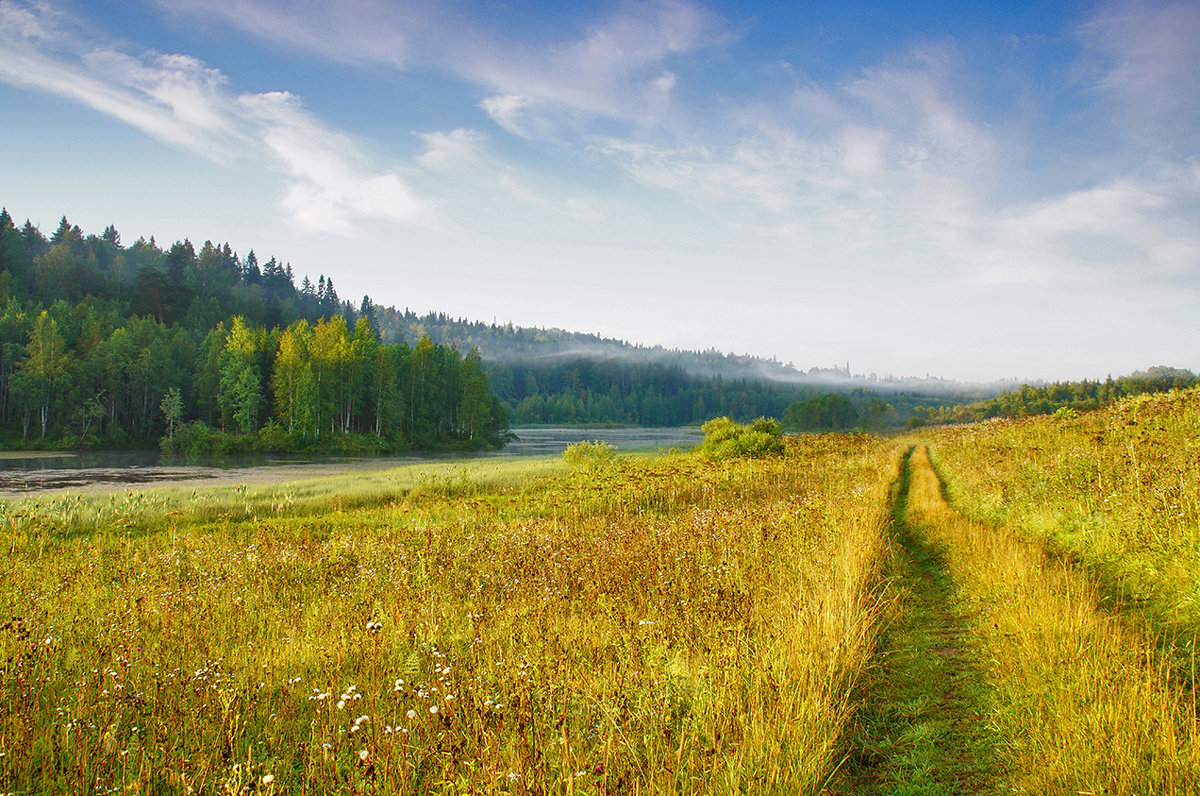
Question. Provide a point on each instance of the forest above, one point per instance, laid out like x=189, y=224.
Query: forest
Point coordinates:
x=105, y=345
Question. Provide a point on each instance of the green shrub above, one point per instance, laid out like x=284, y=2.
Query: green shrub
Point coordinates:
x=726, y=439
x=594, y=455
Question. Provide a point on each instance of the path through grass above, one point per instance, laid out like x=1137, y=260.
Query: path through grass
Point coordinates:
x=922, y=729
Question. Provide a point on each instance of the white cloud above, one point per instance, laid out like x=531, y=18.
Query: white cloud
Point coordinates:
x=447, y=150
x=171, y=98
x=330, y=191
x=178, y=100
x=1113, y=230
x=510, y=111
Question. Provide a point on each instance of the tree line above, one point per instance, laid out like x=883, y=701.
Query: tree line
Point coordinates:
x=616, y=391
x=1049, y=398
x=111, y=346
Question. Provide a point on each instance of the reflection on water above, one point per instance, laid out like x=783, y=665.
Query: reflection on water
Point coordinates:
x=30, y=472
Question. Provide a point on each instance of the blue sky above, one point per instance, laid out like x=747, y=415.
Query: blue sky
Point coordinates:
x=950, y=188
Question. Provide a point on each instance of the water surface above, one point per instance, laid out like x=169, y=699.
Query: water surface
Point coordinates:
x=23, y=473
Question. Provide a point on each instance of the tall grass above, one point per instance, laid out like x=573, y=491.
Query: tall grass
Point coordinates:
x=1086, y=700
x=1117, y=489
x=669, y=624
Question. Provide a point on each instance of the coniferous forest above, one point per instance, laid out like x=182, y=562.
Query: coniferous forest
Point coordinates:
x=108, y=345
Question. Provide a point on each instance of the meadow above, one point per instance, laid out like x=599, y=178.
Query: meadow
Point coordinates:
x=1007, y=607
x=645, y=625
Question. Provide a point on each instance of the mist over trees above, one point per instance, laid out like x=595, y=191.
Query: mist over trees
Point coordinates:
x=103, y=344
x=556, y=377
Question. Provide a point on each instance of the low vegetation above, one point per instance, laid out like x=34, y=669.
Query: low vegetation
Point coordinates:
x=999, y=608
x=664, y=624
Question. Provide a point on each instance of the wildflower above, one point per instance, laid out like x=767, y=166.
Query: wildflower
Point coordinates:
x=363, y=755
x=341, y=704
x=361, y=720
x=433, y=709
x=268, y=779
x=374, y=627
x=412, y=714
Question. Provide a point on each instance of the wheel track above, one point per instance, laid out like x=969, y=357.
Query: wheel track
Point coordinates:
x=922, y=728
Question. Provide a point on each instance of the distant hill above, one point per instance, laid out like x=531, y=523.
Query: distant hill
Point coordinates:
x=517, y=345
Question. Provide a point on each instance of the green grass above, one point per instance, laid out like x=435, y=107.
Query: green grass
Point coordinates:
x=1084, y=700
x=923, y=727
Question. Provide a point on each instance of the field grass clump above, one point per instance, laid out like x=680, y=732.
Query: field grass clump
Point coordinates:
x=596, y=455
x=666, y=624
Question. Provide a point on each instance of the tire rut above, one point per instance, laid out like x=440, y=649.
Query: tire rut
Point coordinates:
x=922, y=728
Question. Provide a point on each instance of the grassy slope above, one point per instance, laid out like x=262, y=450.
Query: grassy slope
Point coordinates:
x=1117, y=490
x=1084, y=701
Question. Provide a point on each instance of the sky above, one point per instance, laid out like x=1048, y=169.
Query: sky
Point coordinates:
x=974, y=191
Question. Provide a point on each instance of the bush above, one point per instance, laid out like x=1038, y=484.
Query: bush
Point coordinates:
x=727, y=439
x=199, y=439
x=594, y=455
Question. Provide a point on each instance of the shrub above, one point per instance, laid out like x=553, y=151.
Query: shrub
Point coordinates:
x=726, y=439
x=594, y=455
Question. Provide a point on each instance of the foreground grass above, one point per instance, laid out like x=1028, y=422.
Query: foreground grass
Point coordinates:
x=1085, y=702
x=662, y=625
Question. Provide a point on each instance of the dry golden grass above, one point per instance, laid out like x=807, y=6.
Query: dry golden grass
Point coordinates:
x=661, y=625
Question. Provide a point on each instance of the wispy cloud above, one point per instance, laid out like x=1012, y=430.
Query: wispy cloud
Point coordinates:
x=462, y=159
x=172, y=98
x=354, y=31
x=618, y=66
x=177, y=99
x=1145, y=56
x=329, y=191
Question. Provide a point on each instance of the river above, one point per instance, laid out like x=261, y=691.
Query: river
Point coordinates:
x=26, y=473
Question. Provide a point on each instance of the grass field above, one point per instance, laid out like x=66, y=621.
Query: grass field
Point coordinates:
x=1003, y=608
x=660, y=625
